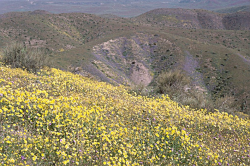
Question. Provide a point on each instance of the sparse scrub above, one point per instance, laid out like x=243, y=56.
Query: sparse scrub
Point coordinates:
x=171, y=82
x=178, y=86
x=227, y=104
x=142, y=90
x=196, y=99
x=17, y=55
x=137, y=89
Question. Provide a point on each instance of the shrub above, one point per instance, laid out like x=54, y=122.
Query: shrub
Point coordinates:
x=18, y=56
x=171, y=82
x=227, y=104
x=197, y=99
x=142, y=90
x=178, y=87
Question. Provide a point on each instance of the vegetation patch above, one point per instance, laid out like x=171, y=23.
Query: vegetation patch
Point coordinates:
x=58, y=118
x=18, y=56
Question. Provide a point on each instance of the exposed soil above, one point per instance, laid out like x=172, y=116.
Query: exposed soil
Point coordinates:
x=140, y=74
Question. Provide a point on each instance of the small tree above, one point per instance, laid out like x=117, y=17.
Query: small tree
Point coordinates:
x=19, y=56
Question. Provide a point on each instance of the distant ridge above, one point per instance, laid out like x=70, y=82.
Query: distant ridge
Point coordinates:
x=195, y=19
x=212, y=4
x=234, y=9
x=41, y=12
x=109, y=16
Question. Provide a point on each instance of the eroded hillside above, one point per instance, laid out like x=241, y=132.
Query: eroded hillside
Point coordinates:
x=134, y=58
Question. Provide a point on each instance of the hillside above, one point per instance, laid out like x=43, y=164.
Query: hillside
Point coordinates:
x=212, y=4
x=195, y=19
x=59, y=118
x=56, y=31
x=124, y=51
x=234, y=9
x=237, y=21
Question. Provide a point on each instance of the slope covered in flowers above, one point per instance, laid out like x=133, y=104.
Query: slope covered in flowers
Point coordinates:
x=59, y=118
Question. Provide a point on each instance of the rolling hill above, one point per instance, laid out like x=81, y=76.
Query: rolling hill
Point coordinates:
x=213, y=4
x=234, y=9
x=134, y=51
x=195, y=19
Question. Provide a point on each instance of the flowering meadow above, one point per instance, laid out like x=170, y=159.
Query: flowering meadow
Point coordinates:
x=58, y=118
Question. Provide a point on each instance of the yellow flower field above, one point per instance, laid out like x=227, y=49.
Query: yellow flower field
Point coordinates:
x=58, y=118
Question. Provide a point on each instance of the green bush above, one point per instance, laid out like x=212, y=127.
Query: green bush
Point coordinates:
x=179, y=88
x=171, y=82
x=17, y=55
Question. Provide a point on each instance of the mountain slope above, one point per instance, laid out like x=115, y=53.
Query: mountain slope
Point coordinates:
x=237, y=21
x=234, y=9
x=213, y=4
x=57, y=30
x=195, y=19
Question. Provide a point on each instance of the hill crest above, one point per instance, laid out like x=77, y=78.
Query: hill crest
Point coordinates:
x=195, y=19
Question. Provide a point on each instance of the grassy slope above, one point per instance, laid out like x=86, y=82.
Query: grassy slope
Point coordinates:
x=72, y=37
x=194, y=19
x=61, y=118
x=60, y=32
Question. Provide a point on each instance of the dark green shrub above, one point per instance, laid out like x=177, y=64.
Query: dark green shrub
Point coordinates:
x=17, y=55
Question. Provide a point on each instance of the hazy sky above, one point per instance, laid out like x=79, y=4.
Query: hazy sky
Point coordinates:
x=124, y=8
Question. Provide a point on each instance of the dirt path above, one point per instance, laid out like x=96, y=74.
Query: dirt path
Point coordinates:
x=191, y=65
